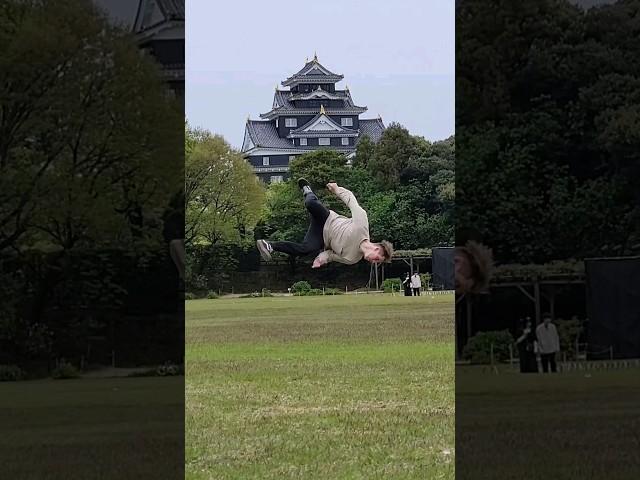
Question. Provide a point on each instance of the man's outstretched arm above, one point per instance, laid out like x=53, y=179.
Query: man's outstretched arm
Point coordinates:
x=325, y=257
x=349, y=199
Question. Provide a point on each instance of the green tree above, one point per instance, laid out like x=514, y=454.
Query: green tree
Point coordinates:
x=222, y=194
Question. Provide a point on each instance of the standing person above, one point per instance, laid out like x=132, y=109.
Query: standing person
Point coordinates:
x=406, y=283
x=526, y=343
x=416, y=284
x=548, y=343
x=332, y=237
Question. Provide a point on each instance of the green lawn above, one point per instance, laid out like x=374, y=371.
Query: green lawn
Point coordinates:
x=124, y=428
x=574, y=425
x=344, y=387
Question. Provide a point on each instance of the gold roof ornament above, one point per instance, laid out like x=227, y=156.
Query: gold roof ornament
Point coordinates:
x=322, y=109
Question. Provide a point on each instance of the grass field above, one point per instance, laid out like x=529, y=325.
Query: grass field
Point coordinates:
x=574, y=425
x=344, y=387
x=124, y=428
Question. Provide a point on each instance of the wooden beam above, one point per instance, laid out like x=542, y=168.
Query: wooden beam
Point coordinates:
x=527, y=294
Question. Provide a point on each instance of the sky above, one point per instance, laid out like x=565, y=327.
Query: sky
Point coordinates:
x=398, y=59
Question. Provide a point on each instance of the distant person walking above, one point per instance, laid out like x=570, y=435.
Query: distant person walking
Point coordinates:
x=406, y=284
x=416, y=284
x=548, y=343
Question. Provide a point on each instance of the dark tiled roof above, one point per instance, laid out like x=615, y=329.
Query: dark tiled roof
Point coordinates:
x=300, y=131
x=264, y=134
x=299, y=76
x=282, y=104
x=373, y=128
x=172, y=9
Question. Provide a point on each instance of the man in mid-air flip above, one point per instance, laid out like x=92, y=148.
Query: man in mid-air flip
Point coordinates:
x=333, y=237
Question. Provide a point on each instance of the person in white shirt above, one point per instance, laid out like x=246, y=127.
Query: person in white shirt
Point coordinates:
x=416, y=284
x=548, y=343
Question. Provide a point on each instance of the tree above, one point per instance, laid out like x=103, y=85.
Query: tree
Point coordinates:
x=88, y=138
x=392, y=155
x=222, y=194
x=364, y=151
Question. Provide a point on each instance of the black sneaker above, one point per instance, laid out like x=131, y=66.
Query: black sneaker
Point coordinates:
x=303, y=183
x=265, y=249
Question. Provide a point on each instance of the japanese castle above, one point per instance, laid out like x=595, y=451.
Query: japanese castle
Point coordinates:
x=310, y=115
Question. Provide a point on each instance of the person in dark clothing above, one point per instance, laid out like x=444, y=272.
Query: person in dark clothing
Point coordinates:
x=406, y=284
x=526, y=349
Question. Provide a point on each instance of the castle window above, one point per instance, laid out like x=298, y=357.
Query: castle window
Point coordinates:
x=345, y=141
x=324, y=141
x=346, y=122
x=265, y=161
x=290, y=122
x=303, y=141
x=276, y=178
x=276, y=123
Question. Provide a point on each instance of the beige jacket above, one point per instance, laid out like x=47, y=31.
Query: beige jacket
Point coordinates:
x=342, y=235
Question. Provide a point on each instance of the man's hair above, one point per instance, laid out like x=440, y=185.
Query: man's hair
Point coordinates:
x=481, y=261
x=388, y=250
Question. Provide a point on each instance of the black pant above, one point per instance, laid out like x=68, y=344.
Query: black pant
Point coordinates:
x=313, y=241
x=416, y=292
x=548, y=359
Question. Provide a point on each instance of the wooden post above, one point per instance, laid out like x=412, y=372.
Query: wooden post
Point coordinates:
x=536, y=296
x=511, y=356
x=468, y=297
x=376, y=269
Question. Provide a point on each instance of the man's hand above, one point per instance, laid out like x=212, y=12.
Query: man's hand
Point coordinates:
x=319, y=261
x=332, y=187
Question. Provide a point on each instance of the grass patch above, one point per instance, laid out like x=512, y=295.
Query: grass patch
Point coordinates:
x=563, y=426
x=320, y=387
x=126, y=428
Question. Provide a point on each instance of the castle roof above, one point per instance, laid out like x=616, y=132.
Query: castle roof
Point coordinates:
x=373, y=128
x=282, y=104
x=313, y=72
x=260, y=133
x=322, y=126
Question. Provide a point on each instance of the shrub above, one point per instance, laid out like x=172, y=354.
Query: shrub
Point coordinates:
x=212, y=295
x=65, y=370
x=391, y=283
x=299, y=287
x=478, y=349
x=315, y=291
x=333, y=291
x=190, y=296
x=11, y=373
x=568, y=332
x=169, y=369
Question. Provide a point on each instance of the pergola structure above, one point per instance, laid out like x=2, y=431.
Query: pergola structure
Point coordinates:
x=535, y=282
x=407, y=256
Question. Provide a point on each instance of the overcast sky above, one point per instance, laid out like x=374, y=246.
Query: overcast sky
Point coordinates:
x=396, y=57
